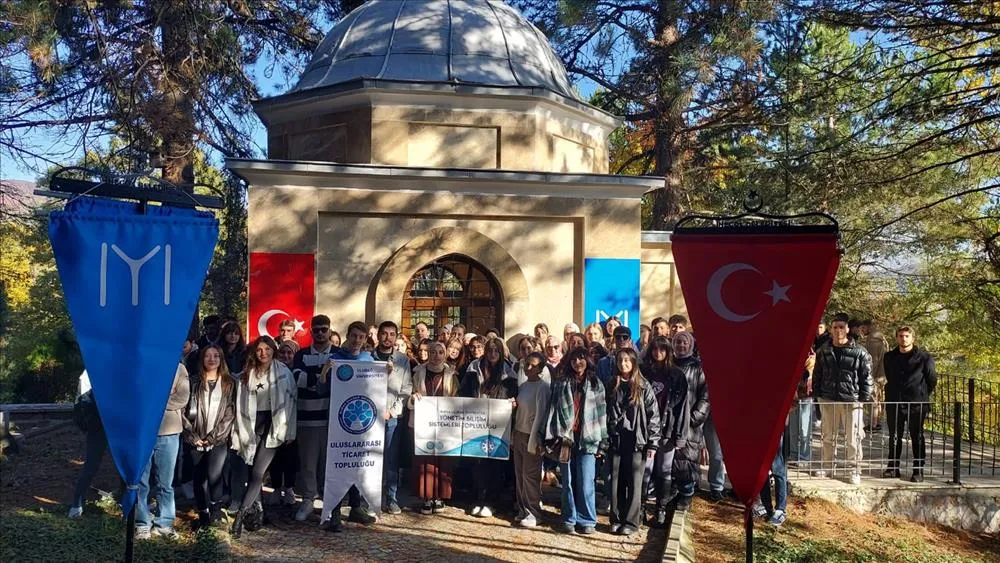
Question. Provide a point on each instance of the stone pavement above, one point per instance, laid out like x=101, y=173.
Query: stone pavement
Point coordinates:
x=450, y=536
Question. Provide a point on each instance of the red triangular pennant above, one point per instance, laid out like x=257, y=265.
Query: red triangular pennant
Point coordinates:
x=754, y=302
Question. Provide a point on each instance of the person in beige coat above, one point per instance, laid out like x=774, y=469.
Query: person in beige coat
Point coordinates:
x=875, y=343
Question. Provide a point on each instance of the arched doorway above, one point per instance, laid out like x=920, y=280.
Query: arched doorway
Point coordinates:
x=450, y=290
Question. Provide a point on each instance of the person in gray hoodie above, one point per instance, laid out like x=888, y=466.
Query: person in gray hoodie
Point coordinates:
x=163, y=461
x=398, y=389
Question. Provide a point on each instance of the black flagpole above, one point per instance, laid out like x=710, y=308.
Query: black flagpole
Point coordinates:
x=748, y=518
x=130, y=536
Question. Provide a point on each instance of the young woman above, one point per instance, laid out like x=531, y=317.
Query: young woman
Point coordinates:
x=541, y=332
x=420, y=354
x=286, y=459
x=234, y=348
x=609, y=332
x=576, y=430
x=686, y=466
x=335, y=340
x=457, y=358
x=208, y=423
x=265, y=417
x=477, y=347
x=533, y=401
x=527, y=346
x=489, y=377
x=670, y=387
x=435, y=378
x=634, y=432
x=594, y=334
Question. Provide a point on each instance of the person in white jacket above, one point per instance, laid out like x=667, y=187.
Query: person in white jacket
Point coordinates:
x=532, y=402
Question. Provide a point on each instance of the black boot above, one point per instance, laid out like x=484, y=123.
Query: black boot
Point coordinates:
x=663, y=498
x=204, y=520
x=215, y=512
x=335, y=525
x=237, y=528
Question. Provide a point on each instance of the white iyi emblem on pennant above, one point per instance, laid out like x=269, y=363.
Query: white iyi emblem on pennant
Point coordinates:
x=135, y=266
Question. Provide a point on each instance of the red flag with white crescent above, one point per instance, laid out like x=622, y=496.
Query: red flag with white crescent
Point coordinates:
x=282, y=287
x=754, y=301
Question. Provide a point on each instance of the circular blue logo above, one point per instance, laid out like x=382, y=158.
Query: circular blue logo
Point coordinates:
x=357, y=414
x=345, y=372
x=430, y=446
x=488, y=446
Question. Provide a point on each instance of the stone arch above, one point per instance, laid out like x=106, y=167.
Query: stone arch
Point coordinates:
x=385, y=302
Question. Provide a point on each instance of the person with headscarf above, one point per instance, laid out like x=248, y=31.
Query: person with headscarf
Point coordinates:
x=686, y=467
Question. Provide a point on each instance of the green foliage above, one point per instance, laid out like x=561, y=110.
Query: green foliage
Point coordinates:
x=773, y=546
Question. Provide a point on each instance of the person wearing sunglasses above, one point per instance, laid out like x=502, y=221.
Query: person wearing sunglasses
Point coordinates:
x=313, y=412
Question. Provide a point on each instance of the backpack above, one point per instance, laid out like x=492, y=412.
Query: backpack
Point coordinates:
x=85, y=413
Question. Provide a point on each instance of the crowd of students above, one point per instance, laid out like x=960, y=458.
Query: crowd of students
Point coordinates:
x=620, y=424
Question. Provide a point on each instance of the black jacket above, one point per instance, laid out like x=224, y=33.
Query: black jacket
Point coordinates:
x=195, y=419
x=848, y=378
x=473, y=384
x=670, y=387
x=910, y=377
x=686, y=458
x=623, y=412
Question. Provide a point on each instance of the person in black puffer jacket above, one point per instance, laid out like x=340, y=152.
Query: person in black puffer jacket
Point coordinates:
x=686, y=468
x=634, y=433
x=911, y=379
x=842, y=380
x=670, y=387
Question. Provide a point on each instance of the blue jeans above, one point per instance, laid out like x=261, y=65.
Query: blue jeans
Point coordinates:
x=802, y=428
x=716, y=467
x=390, y=459
x=779, y=474
x=164, y=459
x=579, y=506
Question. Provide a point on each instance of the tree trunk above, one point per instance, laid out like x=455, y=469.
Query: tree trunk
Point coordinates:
x=176, y=123
x=669, y=122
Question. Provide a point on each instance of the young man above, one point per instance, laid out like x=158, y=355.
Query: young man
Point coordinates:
x=532, y=402
x=873, y=342
x=287, y=330
x=313, y=413
x=911, y=379
x=163, y=461
x=660, y=327
x=399, y=387
x=211, y=327
x=353, y=349
x=842, y=380
x=677, y=323
x=606, y=367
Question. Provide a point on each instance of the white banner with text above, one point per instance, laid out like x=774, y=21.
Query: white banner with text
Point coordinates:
x=460, y=426
x=356, y=433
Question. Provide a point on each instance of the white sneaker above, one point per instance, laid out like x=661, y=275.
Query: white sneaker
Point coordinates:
x=855, y=478
x=819, y=473
x=305, y=509
x=142, y=534
x=521, y=514
x=289, y=498
x=486, y=512
x=528, y=522
x=476, y=511
x=75, y=512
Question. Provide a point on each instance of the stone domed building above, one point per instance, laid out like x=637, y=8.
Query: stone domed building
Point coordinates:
x=435, y=164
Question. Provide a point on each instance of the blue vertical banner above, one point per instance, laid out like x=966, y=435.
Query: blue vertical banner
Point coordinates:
x=132, y=280
x=611, y=289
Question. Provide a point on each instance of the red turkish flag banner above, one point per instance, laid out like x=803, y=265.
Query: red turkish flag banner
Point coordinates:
x=754, y=302
x=282, y=287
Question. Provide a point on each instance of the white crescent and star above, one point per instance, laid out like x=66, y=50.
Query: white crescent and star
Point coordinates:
x=777, y=293
x=266, y=317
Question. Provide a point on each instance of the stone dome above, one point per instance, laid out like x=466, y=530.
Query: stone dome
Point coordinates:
x=479, y=42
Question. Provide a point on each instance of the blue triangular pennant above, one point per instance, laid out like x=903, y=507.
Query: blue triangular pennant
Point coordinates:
x=132, y=281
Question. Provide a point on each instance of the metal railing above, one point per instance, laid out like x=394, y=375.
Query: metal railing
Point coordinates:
x=860, y=439
x=981, y=407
